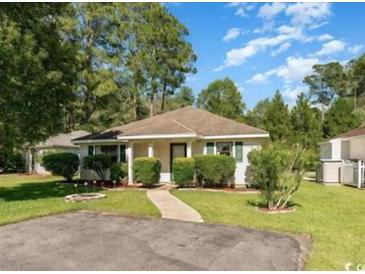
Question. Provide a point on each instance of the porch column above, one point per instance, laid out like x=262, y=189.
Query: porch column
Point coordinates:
x=150, y=150
x=130, y=163
x=189, y=149
x=29, y=161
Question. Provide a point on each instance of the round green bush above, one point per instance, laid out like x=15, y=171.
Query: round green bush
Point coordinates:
x=64, y=164
x=214, y=170
x=147, y=170
x=183, y=171
x=100, y=163
x=118, y=171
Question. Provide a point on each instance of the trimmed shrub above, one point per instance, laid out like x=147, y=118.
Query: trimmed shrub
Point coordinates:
x=147, y=170
x=183, y=171
x=118, y=172
x=100, y=163
x=214, y=170
x=64, y=164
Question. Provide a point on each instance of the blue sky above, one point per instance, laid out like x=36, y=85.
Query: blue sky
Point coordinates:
x=269, y=46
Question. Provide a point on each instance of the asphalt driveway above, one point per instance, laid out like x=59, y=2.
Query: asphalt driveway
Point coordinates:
x=92, y=241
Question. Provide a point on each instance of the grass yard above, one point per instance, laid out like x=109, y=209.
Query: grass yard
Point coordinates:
x=23, y=197
x=333, y=215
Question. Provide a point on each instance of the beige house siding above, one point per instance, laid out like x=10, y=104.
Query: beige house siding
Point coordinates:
x=162, y=151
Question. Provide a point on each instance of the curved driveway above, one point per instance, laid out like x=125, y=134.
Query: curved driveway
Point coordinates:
x=93, y=241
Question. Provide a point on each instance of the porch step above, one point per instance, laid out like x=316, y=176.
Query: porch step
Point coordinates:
x=171, y=207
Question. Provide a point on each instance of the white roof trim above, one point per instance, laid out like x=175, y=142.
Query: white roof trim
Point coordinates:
x=258, y=135
x=102, y=141
x=157, y=136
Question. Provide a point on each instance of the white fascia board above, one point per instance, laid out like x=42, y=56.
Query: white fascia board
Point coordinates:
x=260, y=135
x=353, y=137
x=96, y=142
x=157, y=136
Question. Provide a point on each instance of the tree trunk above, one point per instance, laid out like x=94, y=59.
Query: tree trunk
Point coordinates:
x=163, y=99
x=163, y=102
x=151, y=104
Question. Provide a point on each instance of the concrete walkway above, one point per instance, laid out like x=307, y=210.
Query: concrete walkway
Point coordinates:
x=171, y=207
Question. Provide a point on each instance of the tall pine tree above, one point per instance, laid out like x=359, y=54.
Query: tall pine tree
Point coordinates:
x=305, y=123
x=276, y=119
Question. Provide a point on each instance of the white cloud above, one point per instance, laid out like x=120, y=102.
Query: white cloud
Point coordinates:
x=294, y=70
x=242, y=9
x=238, y=56
x=269, y=11
x=355, y=49
x=308, y=13
x=232, y=34
x=261, y=78
x=332, y=47
x=283, y=47
x=325, y=37
x=241, y=12
x=291, y=94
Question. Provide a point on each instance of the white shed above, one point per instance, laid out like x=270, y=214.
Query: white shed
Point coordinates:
x=343, y=156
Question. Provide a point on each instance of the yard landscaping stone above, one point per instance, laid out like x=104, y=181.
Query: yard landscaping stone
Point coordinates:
x=170, y=206
x=93, y=241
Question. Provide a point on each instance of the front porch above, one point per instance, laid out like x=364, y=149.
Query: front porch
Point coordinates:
x=168, y=149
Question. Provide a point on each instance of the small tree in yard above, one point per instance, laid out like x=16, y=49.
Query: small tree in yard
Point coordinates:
x=64, y=164
x=99, y=163
x=278, y=171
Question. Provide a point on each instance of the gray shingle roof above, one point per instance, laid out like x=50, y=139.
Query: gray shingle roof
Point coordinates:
x=187, y=120
x=62, y=140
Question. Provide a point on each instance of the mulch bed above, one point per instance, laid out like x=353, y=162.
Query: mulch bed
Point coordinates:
x=110, y=185
x=276, y=211
x=225, y=189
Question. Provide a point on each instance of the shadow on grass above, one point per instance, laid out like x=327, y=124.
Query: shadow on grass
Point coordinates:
x=41, y=190
x=261, y=204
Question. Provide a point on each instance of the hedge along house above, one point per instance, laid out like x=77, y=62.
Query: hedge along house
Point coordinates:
x=58, y=143
x=180, y=133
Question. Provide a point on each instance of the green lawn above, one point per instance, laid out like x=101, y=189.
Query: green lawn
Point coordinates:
x=23, y=197
x=333, y=216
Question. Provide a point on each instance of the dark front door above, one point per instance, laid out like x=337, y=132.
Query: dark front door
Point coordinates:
x=176, y=151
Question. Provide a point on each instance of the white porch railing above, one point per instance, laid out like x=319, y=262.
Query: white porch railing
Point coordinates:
x=353, y=174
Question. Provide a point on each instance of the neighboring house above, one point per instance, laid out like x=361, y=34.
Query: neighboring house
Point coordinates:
x=180, y=133
x=342, y=158
x=59, y=143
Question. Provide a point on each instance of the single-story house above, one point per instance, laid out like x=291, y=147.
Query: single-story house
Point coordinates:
x=342, y=158
x=180, y=133
x=59, y=143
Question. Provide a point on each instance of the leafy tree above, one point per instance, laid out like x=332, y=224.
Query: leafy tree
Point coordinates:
x=305, y=125
x=37, y=72
x=327, y=81
x=223, y=98
x=340, y=118
x=159, y=51
x=276, y=119
x=356, y=79
x=278, y=171
x=183, y=98
x=255, y=117
x=96, y=33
